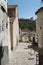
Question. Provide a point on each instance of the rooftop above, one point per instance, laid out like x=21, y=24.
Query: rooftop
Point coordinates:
x=12, y=6
x=39, y=10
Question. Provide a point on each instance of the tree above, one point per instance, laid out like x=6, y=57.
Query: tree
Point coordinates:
x=26, y=23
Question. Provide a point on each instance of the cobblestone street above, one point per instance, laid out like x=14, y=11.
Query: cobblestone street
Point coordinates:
x=23, y=55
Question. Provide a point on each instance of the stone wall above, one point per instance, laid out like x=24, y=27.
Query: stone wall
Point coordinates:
x=39, y=29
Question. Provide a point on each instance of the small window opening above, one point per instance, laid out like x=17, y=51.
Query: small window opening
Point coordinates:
x=3, y=26
x=2, y=8
x=6, y=25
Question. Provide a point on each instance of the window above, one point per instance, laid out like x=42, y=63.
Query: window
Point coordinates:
x=3, y=26
x=0, y=27
x=2, y=8
x=6, y=25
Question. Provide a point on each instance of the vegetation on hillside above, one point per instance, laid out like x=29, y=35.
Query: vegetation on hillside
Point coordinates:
x=27, y=23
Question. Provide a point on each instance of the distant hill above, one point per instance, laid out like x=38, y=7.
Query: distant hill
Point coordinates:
x=27, y=23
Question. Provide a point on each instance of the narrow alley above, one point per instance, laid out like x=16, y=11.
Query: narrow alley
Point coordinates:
x=23, y=55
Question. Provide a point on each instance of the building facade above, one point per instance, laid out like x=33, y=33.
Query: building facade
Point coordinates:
x=39, y=30
x=4, y=32
x=39, y=27
x=14, y=26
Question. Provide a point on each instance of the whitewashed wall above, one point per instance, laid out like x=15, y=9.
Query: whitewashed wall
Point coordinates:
x=9, y=41
x=4, y=4
x=15, y=30
x=1, y=18
x=4, y=34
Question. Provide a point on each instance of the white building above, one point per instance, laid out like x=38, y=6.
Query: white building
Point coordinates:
x=4, y=32
x=9, y=29
x=14, y=26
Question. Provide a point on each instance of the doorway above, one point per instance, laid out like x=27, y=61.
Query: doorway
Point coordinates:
x=11, y=34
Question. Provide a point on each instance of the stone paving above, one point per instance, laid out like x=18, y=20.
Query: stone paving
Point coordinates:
x=23, y=55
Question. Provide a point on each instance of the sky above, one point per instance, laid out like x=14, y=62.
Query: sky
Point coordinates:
x=26, y=8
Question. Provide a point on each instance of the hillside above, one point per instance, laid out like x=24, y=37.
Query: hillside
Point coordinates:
x=27, y=23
